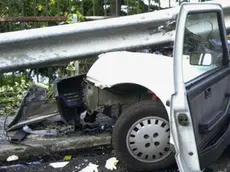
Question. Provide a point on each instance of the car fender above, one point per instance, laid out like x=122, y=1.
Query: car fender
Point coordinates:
x=151, y=71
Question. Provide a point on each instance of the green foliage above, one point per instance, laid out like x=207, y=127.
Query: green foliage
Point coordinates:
x=70, y=17
x=19, y=8
x=90, y=8
x=12, y=91
x=137, y=6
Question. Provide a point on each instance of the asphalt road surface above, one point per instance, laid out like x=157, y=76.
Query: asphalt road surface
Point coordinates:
x=79, y=161
x=98, y=156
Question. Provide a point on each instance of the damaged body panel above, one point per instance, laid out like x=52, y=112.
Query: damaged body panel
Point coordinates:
x=96, y=97
x=126, y=68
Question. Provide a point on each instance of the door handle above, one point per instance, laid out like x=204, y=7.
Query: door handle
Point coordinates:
x=207, y=93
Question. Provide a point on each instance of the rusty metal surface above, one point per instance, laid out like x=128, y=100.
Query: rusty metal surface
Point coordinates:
x=33, y=19
x=46, y=46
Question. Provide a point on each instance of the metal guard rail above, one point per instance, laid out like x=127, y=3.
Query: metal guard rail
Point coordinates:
x=45, y=46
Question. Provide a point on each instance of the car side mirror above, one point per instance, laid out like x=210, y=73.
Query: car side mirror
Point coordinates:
x=200, y=59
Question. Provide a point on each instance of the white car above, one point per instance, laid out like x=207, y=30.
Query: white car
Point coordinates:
x=177, y=106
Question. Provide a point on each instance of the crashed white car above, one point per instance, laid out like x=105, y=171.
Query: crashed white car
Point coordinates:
x=175, y=106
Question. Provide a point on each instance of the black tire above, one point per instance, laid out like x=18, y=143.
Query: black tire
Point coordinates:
x=125, y=121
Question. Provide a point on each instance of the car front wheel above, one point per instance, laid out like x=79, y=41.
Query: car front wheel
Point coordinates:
x=141, y=137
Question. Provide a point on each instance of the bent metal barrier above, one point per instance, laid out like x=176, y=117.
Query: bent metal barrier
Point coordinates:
x=45, y=46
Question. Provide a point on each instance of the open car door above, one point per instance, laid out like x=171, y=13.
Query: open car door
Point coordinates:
x=201, y=101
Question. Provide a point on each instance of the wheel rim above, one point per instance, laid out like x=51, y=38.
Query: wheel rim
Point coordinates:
x=148, y=139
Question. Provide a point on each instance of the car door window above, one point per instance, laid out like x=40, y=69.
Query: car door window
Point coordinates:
x=202, y=48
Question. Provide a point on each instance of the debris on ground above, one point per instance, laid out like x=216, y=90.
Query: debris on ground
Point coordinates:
x=111, y=163
x=18, y=166
x=31, y=119
x=32, y=130
x=90, y=168
x=12, y=158
x=59, y=164
x=31, y=110
x=50, y=132
x=67, y=157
